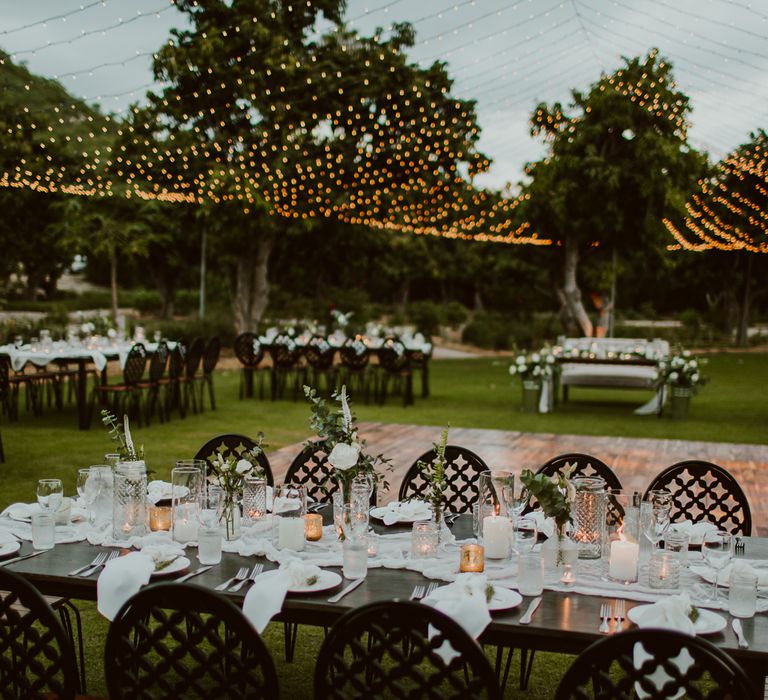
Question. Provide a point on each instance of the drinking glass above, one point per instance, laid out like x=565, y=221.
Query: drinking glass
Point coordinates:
x=518, y=500
x=112, y=458
x=526, y=533
x=187, y=484
x=338, y=512
x=288, y=511
x=742, y=594
x=497, y=487
x=530, y=574
x=656, y=520
x=43, y=530
x=209, y=535
x=355, y=546
x=49, y=494
x=99, y=491
x=82, y=484
x=717, y=549
x=480, y=511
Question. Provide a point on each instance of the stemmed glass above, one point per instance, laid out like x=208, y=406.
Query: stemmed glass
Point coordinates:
x=50, y=493
x=717, y=550
x=526, y=533
x=516, y=501
x=85, y=491
x=656, y=520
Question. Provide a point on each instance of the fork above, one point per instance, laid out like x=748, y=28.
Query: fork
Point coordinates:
x=97, y=560
x=431, y=588
x=740, y=546
x=111, y=556
x=418, y=593
x=241, y=575
x=257, y=569
x=605, y=615
x=619, y=613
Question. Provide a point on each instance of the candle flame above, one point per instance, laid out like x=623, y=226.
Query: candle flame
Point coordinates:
x=620, y=533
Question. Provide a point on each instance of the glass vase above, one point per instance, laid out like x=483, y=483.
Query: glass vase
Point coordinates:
x=531, y=396
x=187, y=479
x=559, y=550
x=589, y=516
x=129, y=500
x=230, y=518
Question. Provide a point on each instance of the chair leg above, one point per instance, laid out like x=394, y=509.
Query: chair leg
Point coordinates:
x=291, y=634
x=78, y=651
x=526, y=666
x=2, y=452
x=211, y=394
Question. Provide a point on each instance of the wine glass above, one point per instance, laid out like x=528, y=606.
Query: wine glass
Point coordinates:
x=656, y=518
x=526, y=533
x=516, y=501
x=82, y=488
x=50, y=493
x=717, y=550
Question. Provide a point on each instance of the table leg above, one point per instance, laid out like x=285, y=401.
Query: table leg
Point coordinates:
x=82, y=400
x=248, y=376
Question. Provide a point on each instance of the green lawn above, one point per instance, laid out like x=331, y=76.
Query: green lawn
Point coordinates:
x=733, y=407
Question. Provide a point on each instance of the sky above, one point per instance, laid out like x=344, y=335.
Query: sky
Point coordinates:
x=507, y=54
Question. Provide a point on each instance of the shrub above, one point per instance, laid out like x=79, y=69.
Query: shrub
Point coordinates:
x=426, y=316
x=454, y=314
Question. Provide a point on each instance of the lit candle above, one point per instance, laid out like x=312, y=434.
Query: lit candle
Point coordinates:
x=185, y=524
x=290, y=534
x=159, y=518
x=471, y=558
x=496, y=539
x=623, y=559
x=569, y=575
x=313, y=527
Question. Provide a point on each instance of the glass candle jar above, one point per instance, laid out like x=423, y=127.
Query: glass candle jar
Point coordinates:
x=589, y=516
x=313, y=527
x=186, y=492
x=160, y=517
x=129, y=501
x=472, y=558
x=424, y=540
x=254, y=498
x=289, y=509
x=664, y=570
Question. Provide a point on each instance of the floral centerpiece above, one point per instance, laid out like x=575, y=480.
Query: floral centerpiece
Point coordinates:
x=434, y=476
x=681, y=373
x=556, y=497
x=122, y=436
x=534, y=369
x=338, y=437
x=229, y=474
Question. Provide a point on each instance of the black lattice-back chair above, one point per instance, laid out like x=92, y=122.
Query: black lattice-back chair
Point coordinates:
x=310, y=469
x=319, y=354
x=395, y=368
x=233, y=445
x=173, y=397
x=192, y=362
x=36, y=659
x=250, y=352
x=462, y=469
x=124, y=397
x=619, y=665
x=158, y=362
x=355, y=357
x=420, y=360
x=210, y=360
x=287, y=372
x=702, y=491
x=384, y=650
x=176, y=640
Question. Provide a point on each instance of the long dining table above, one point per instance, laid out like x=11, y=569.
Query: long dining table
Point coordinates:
x=564, y=622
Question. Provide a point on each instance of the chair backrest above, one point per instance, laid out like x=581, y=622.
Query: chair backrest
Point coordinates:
x=319, y=353
x=462, y=469
x=705, y=491
x=393, y=355
x=284, y=351
x=176, y=640
x=5, y=366
x=619, y=665
x=248, y=350
x=194, y=356
x=584, y=465
x=211, y=354
x=233, y=445
x=310, y=468
x=36, y=659
x=354, y=354
x=135, y=364
x=176, y=362
x=364, y=656
x=158, y=362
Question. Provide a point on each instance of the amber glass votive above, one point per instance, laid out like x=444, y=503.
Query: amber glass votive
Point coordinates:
x=313, y=527
x=472, y=558
x=159, y=518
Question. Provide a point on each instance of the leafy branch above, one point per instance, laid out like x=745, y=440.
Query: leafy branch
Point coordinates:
x=122, y=436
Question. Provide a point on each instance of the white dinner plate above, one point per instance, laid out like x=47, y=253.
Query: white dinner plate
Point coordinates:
x=174, y=567
x=708, y=622
x=504, y=599
x=381, y=511
x=325, y=581
x=9, y=548
x=23, y=514
x=709, y=576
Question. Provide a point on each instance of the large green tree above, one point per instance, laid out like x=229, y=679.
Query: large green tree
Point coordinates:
x=619, y=162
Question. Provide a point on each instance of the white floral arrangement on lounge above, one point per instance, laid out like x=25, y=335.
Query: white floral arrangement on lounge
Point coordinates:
x=680, y=370
x=535, y=366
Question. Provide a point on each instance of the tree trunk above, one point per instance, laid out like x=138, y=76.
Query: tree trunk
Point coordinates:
x=741, y=333
x=251, y=283
x=405, y=293
x=113, y=280
x=477, y=299
x=571, y=288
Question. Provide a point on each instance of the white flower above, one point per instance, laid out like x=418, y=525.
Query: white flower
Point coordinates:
x=112, y=333
x=513, y=369
x=522, y=369
x=225, y=466
x=243, y=466
x=695, y=378
x=693, y=364
x=344, y=456
x=686, y=353
x=520, y=359
x=536, y=371
x=550, y=359
x=536, y=357
x=673, y=376
x=346, y=414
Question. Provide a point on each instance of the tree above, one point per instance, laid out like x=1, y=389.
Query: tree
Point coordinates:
x=618, y=164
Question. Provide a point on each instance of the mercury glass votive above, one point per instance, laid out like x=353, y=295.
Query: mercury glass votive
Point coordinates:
x=159, y=518
x=313, y=527
x=472, y=558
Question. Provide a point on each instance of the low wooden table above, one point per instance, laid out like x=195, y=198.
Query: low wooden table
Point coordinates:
x=564, y=623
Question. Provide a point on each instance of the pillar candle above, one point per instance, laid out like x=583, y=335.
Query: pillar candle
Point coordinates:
x=623, y=560
x=290, y=534
x=496, y=538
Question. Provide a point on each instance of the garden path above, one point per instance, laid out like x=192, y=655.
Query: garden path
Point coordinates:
x=635, y=460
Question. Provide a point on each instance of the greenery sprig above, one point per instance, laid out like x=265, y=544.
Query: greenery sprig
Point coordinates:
x=555, y=495
x=122, y=436
x=434, y=474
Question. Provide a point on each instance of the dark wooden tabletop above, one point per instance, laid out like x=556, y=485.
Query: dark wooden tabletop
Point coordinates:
x=565, y=623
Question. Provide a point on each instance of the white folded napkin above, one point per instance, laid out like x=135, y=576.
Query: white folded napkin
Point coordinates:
x=7, y=537
x=671, y=613
x=120, y=579
x=265, y=598
x=464, y=601
x=21, y=511
x=695, y=531
x=406, y=511
x=545, y=525
x=162, y=552
x=161, y=491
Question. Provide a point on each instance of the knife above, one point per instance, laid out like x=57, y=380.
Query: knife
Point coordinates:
x=525, y=619
x=186, y=577
x=26, y=556
x=351, y=587
x=736, y=626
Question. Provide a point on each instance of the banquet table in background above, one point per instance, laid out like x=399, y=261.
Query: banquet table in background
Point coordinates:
x=566, y=621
